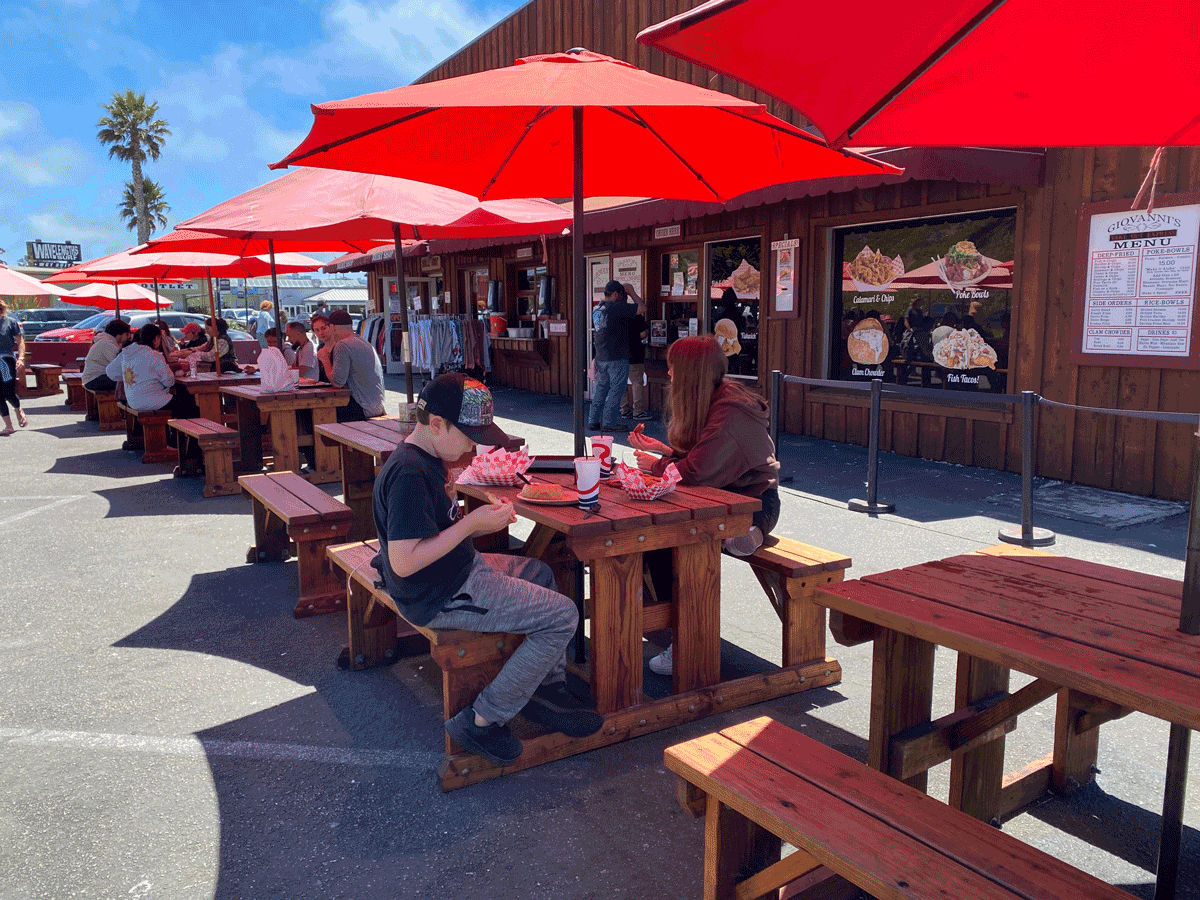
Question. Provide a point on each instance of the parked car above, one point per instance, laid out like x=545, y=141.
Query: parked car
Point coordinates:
x=65, y=346
x=36, y=321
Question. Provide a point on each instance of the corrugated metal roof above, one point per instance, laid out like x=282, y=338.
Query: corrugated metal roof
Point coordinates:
x=312, y=283
x=338, y=296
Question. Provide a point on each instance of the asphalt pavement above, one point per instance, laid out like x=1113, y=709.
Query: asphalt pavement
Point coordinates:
x=168, y=730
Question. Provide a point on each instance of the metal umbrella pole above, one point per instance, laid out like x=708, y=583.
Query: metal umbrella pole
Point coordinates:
x=274, y=289
x=579, y=277
x=402, y=292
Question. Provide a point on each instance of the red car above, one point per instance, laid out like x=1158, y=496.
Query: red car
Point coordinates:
x=67, y=347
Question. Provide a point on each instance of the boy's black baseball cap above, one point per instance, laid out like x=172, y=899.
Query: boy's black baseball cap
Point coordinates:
x=464, y=403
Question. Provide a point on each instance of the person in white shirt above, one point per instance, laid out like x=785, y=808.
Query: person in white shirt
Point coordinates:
x=304, y=354
x=147, y=377
x=107, y=344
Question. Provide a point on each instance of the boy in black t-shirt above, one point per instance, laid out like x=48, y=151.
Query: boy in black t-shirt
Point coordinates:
x=437, y=578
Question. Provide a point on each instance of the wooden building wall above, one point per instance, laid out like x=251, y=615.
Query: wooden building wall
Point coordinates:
x=1104, y=451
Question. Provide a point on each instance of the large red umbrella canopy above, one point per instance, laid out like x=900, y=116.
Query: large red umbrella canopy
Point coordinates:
x=18, y=284
x=508, y=133
x=1009, y=73
x=572, y=124
x=324, y=204
x=207, y=242
x=168, y=266
x=104, y=294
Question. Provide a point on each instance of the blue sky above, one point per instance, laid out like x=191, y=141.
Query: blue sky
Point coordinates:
x=233, y=79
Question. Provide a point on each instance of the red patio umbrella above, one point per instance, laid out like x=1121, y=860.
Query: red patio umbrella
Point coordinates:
x=107, y=294
x=997, y=73
x=18, y=284
x=569, y=124
x=312, y=205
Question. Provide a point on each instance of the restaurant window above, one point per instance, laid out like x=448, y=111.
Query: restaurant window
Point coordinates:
x=679, y=292
x=475, y=289
x=528, y=280
x=734, y=284
x=924, y=302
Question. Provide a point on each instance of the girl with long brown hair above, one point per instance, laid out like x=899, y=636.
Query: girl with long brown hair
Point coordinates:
x=718, y=435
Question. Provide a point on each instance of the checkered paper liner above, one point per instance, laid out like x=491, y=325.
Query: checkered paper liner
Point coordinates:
x=497, y=468
x=635, y=485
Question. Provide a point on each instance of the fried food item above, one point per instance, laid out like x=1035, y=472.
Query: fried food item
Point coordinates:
x=964, y=350
x=542, y=491
x=867, y=344
x=872, y=267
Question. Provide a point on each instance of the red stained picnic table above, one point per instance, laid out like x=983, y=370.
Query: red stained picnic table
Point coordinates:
x=280, y=411
x=1104, y=640
x=205, y=387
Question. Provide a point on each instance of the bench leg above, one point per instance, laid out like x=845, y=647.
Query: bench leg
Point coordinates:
x=901, y=695
x=270, y=536
x=977, y=776
x=734, y=849
x=188, y=463
x=461, y=685
x=155, y=447
x=109, y=415
x=803, y=621
x=372, y=629
x=91, y=411
x=1074, y=754
x=219, y=479
x=133, y=434
x=322, y=589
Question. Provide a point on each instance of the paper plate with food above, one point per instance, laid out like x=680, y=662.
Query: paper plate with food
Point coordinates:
x=543, y=493
x=872, y=270
x=963, y=265
x=641, y=485
x=497, y=468
x=964, y=350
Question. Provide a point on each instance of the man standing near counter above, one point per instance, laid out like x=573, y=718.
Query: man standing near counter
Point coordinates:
x=610, y=332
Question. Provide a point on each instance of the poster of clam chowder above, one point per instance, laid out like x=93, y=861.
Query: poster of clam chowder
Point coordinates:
x=1141, y=282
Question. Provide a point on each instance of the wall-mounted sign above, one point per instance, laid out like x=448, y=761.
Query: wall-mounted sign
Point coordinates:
x=557, y=327
x=629, y=269
x=431, y=264
x=666, y=232
x=524, y=253
x=785, y=276
x=53, y=256
x=1139, y=295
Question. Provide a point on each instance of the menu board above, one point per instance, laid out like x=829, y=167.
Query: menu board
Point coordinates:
x=628, y=269
x=1140, y=293
x=785, y=276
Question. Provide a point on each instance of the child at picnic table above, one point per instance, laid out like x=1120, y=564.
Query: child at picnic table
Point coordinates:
x=718, y=437
x=438, y=579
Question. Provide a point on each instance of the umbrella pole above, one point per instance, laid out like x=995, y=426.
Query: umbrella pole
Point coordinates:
x=402, y=290
x=275, y=290
x=116, y=300
x=212, y=311
x=156, y=309
x=579, y=277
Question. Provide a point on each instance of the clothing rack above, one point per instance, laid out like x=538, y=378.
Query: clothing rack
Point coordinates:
x=443, y=342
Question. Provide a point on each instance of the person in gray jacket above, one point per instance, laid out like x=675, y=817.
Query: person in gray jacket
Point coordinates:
x=352, y=363
x=104, y=349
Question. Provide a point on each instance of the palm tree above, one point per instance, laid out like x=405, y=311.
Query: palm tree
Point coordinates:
x=133, y=135
x=156, y=206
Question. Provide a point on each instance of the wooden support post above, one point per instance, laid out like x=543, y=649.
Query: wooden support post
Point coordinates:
x=1074, y=753
x=734, y=848
x=977, y=775
x=901, y=695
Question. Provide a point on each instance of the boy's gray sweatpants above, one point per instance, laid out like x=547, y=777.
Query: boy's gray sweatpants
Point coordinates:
x=514, y=594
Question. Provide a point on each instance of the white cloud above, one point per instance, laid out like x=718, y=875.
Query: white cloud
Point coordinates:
x=16, y=118
x=57, y=164
x=59, y=223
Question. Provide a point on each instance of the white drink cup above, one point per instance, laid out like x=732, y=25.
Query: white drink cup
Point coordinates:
x=602, y=449
x=587, y=480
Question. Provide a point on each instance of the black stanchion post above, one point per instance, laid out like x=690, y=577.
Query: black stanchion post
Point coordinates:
x=580, y=653
x=1027, y=535
x=871, y=504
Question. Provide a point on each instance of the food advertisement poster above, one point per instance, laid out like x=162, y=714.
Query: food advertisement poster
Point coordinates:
x=785, y=276
x=680, y=273
x=1139, y=297
x=599, y=269
x=628, y=269
x=925, y=302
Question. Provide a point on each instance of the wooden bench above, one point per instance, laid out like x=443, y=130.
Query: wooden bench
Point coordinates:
x=286, y=507
x=102, y=408
x=45, y=377
x=469, y=660
x=216, y=444
x=790, y=572
x=76, y=395
x=146, y=434
x=760, y=783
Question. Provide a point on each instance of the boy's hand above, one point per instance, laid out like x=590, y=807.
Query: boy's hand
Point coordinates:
x=492, y=518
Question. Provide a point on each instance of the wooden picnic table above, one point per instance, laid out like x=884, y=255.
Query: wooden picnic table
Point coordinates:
x=690, y=521
x=205, y=387
x=1104, y=640
x=281, y=411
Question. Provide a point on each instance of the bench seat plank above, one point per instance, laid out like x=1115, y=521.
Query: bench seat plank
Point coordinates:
x=293, y=499
x=887, y=838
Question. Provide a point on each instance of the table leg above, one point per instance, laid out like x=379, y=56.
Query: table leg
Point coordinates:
x=210, y=405
x=358, y=487
x=284, y=440
x=1074, y=754
x=328, y=462
x=697, y=616
x=1171, y=836
x=977, y=776
x=901, y=695
x=250, y=433
x=617, y=631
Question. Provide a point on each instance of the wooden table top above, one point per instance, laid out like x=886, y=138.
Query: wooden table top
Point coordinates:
x=618, y=512
x=375, y=437
x=300, y=396
x=1104, y=631
x=204, y=379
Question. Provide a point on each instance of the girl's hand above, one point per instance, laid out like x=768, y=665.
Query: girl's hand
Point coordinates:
x=645, y=461
x=639, y=441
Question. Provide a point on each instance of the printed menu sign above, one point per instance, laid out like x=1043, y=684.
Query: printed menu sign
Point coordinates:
x=1141, y=282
